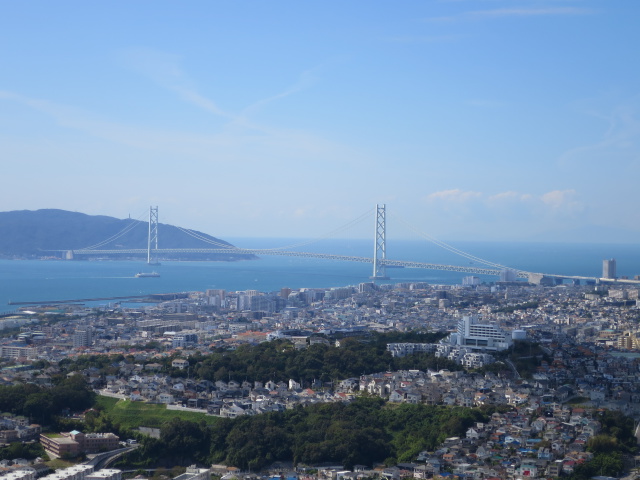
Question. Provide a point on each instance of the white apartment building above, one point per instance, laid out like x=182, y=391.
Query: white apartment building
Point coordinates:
x=195, y=473
x=15, y=351
x=27, y=474
x=105, y=474
x=479, y=336
x=77, y=472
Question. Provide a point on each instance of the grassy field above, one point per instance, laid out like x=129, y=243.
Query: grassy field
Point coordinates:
x=58, y=463
x=132, y=415
x=106, y=403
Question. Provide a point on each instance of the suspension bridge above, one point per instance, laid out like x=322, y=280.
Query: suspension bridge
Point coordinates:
x=379, y=261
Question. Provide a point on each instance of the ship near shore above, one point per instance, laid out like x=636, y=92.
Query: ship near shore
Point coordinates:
x=147, y=274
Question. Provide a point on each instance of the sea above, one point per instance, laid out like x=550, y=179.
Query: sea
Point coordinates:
x=57, y=280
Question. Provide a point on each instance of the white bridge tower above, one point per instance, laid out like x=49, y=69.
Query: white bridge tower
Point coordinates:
x=380, y=245
x=153, y=234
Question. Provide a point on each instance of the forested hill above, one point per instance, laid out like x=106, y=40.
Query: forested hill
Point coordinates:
x=39, y=233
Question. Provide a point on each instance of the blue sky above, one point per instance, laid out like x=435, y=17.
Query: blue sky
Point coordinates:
x=471, y=119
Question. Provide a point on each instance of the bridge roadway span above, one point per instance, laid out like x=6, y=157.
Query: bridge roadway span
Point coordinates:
x=531, y=276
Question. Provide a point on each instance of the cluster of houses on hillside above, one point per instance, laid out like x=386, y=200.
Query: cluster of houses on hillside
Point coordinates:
x=523, y=443
x=16, y=428
x=226, y=399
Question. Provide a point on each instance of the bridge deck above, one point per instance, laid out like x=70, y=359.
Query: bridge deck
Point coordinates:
x=348, y=258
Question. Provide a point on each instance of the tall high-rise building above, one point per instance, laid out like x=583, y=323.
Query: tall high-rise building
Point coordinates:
x=285, y=292
x=82, y=337
x=213, y=292
x=244, y=302
x=609, y=268
x=508, y=275
x=263, y=303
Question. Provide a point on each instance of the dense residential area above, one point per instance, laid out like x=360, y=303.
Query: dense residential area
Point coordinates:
x=507, y=380
x=319, y=240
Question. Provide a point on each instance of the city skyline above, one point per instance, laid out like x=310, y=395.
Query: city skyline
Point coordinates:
x=472, y=118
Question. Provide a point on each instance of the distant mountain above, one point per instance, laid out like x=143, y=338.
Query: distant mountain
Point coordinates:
x=588, y=234
x=41, y=233
x=595, y=234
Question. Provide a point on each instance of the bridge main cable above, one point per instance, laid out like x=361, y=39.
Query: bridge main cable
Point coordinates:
x=325, y=256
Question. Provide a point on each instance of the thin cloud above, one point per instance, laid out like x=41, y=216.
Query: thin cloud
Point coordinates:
x=556, y=202
x=198, y=100
x=164, y=69
x=563, y=201
x=619, y=143
x=281, y=144
x=80, y=120
x=454, y=196
x=505, y=197
x=306, y=79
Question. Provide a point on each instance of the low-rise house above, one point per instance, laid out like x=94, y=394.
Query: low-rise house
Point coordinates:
x=180, y=363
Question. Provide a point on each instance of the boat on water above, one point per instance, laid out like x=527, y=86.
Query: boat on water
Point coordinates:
x=147, y=274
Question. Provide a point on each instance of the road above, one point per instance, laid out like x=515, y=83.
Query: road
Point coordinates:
x=102, y=460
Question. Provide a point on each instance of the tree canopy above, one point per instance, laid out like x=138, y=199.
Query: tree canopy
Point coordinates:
x=366, y=431
x=41, y=404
